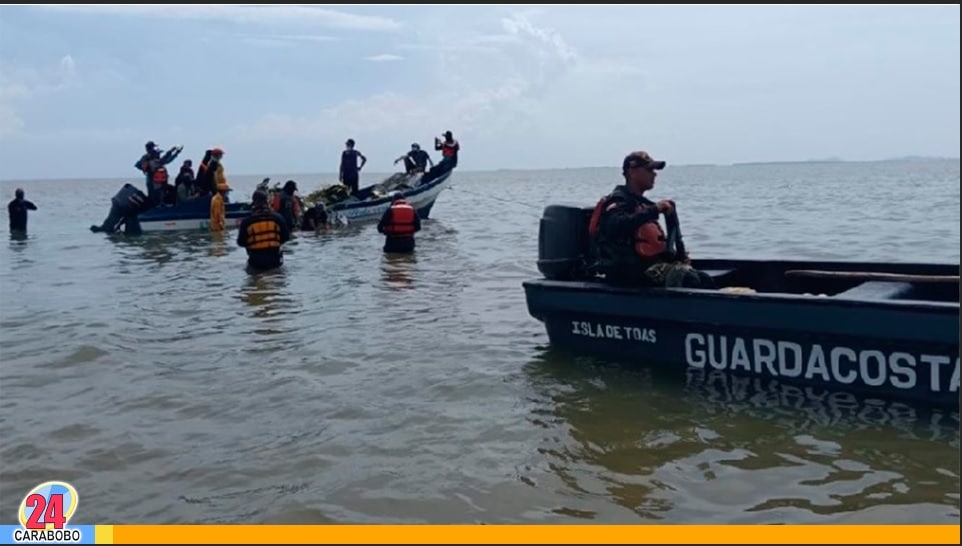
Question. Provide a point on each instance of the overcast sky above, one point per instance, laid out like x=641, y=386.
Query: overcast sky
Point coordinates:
x=281, y=88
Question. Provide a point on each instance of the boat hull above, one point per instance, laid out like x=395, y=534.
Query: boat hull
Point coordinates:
x=190, y=218
x=422, y=198
x=868, y=337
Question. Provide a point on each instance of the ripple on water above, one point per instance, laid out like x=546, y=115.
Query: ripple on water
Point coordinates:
x=170, y=386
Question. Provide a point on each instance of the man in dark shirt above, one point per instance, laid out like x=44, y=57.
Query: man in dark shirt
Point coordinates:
x=628, y=240
x=415, y=161
x=17, y=210
x=350, y=172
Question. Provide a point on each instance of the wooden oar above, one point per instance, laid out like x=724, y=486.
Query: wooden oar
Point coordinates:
x=871, y=276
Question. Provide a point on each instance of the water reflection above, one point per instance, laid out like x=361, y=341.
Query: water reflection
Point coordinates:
x=716, y=448
x=163, y=248
x=219, y=241
x=396, y=270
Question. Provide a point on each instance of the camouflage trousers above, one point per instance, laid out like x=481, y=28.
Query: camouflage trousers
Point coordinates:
x=677, y=274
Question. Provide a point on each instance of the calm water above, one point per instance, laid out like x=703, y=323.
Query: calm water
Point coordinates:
x=168, y=385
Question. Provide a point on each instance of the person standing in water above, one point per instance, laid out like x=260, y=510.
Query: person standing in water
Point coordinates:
x=17, y=210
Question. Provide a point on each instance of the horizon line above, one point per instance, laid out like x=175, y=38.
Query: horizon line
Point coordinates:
x=907, y=159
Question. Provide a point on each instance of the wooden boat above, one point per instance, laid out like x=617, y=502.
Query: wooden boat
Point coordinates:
x=880, y=329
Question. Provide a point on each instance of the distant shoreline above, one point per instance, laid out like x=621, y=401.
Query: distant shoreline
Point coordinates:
x=333, y=176
x=906, y=159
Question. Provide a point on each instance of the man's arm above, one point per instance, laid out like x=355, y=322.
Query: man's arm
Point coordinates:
x=242, y=232
x=385, y=218
x=417, y=221
x=363, y=161
x=29, y=205
x=285, y=229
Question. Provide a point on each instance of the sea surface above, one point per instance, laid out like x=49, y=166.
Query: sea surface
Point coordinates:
x=168, y=385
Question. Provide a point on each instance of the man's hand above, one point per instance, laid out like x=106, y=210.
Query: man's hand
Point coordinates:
x=666, y=206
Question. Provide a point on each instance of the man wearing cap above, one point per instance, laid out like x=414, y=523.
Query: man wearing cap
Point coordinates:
x=415, y=161
x=151, y=161
x=629, y=243
x=262, y=234
x=399, y=224
x=450, y=148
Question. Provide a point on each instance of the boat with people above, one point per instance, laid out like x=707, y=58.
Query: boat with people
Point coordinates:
x=887, y=330
x=421, y=190
x=132, y=210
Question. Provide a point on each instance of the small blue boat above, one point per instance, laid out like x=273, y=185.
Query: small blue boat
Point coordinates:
x=888, y=330
x=132, y=211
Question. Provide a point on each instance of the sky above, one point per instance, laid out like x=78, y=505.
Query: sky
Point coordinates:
x=281, y=87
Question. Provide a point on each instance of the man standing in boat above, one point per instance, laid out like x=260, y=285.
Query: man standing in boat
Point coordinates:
x=350, y=172
x=449, y=148
x=152, y=164
x=628, y=242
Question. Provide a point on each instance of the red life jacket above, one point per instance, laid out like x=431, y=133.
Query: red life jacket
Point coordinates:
x=450, y=149
x=401, y=223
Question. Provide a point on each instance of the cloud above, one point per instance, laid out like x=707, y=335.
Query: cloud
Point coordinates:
x=10, y=123
x=18, y=83
x=489, y=79
x=384, y=57
x=283, y=40
x=243, y=14
x=520, y=25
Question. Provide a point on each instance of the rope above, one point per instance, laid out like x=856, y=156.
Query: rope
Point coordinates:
x=500, y=199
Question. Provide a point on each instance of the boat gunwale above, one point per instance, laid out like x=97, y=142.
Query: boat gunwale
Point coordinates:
x=703, y=293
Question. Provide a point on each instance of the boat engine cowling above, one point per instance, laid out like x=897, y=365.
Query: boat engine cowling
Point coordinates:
x=563, y=248
x=125, y=206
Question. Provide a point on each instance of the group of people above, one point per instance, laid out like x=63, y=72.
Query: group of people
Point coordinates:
x=627, y=241
x=265, y=231
x=415, y=161
x=209, y=180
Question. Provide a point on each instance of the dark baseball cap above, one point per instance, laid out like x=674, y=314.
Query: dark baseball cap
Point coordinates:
x=641, y=158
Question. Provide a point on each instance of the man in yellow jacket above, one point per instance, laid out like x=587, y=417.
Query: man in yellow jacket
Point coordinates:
x=218, y=209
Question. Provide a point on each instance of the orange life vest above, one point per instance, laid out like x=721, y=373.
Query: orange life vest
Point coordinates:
x=160, y=176
x=649, y=239
x=401, y=223
x=263, y=234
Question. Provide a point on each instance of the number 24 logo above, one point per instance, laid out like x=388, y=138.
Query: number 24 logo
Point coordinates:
x=48, y=506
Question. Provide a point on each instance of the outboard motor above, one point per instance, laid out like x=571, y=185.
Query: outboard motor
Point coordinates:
x=563, y=246
x=125, y=206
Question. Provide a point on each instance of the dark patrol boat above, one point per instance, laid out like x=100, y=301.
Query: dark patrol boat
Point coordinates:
x=887, y=330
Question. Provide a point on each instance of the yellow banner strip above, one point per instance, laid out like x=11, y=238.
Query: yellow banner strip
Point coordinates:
x=527, y=534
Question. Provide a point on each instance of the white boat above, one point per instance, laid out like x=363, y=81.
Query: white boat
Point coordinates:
x=369, y=204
